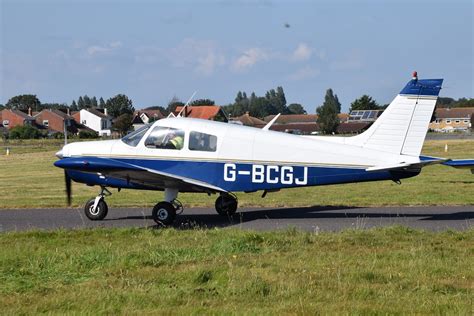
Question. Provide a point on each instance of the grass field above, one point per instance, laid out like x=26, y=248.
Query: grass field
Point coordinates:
x=29, y=179
x=135, y=271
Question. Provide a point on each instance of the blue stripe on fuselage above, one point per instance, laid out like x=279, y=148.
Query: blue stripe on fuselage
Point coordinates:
x=234, y=176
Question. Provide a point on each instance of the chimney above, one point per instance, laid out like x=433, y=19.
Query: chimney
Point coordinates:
x=29, y=111
x=68, y=112
x=105, y=111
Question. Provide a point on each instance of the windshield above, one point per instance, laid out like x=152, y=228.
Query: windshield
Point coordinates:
x=134, y=137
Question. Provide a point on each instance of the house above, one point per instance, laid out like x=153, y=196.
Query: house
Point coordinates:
x=95, y=119
x=54, y=121
x=454, y=119
x=143, y=117
x=205, y=112
x=248, y=120
x=364, y=115
x=12, y=118
x=300, y=123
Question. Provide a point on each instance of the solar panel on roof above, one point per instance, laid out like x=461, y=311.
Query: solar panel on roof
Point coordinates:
x=366, y=114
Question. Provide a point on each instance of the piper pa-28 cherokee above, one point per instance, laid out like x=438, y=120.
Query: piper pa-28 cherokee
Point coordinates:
x=182, y=154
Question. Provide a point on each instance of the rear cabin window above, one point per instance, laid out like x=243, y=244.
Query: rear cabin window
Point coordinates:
x=165, y=138
x=202, y=142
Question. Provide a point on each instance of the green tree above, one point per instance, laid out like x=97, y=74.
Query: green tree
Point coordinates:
x=88, y=134
x=162, y=109
x=327, y=113
x=296, y=108
x=463, y=103
x=333, y=100
x=123, y=123
x=73, y=106
x=94, y=102
x=239, y=97
x=101, y=103
x=173, y=104
x=2, y=107
x=199, y=102
x=365, y=102
x=118, y=105
x=80, y=103
x=24, y=102
x=261, y=107
x=55, y=106
x=25, y=132
x=87, y=102
x=278, y=100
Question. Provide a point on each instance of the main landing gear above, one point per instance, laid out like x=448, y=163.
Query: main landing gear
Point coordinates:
x=226, y=204
x=164, y=213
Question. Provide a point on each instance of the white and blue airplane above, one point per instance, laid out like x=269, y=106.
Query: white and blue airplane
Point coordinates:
x=182, y=154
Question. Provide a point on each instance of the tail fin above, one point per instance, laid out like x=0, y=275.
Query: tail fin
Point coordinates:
x=402, y=127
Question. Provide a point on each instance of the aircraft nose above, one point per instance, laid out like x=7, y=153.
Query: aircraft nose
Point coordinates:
x=59, y=154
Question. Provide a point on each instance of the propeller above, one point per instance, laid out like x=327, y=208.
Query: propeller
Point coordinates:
x=68, y=187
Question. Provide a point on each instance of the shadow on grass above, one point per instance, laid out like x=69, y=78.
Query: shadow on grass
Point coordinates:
x=189, y=221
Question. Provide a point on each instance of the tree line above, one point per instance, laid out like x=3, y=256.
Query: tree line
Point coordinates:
x=121, y=108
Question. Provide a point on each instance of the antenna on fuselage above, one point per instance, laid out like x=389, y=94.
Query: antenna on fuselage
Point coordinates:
x=269, y=124
x=187, y=103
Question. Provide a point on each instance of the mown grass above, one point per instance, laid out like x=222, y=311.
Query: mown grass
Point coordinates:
x=392, y=270
x=29, y=179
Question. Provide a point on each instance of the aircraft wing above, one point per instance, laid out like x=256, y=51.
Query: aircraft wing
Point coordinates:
x=133, y=174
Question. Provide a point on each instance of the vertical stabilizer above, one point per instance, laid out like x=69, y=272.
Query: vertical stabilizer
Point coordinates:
x=402, y=127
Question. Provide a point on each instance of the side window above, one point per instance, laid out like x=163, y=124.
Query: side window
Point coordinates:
x=202, y=141
x=165, y=138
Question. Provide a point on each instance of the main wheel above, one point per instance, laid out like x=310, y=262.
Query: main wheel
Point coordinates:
x=100, y=211
x=226, y=205
x=164, y=213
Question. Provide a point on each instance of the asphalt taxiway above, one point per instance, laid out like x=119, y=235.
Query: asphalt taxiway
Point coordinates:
x=317, y=218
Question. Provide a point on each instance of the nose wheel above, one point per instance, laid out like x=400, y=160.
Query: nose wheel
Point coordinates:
x=97, y=213
x=96, y=209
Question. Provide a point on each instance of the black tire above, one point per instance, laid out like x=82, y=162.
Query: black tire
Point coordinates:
x=164, y=213
x=100, y=212
x=226, y=205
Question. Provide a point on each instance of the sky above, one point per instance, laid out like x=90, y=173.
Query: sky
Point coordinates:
x=153, y=51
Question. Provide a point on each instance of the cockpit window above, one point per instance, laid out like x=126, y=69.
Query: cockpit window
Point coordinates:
x=134, y=137
x=202, y=142
x=165, y=138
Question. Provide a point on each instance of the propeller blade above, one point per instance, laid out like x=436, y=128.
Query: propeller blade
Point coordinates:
x=68, y=188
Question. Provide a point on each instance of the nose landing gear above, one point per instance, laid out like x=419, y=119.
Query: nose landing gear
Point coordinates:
x=96, y=209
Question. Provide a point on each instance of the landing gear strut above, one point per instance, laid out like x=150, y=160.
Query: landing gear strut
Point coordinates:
x=226, y=204
x=164, y=213
x=96, y=209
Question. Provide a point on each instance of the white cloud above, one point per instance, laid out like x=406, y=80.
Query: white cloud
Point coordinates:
x=352, y=60
x=301, y=53
x=100, y=49
x=202, y=55
x=304, y=73
x=207, y=64
x=249, y=58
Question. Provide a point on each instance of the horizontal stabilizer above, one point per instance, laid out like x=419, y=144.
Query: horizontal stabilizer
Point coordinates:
x=403, y=165
x=461, y=164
